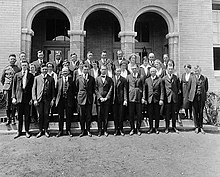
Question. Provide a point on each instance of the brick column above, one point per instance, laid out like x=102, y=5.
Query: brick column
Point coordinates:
x=77, y=42
x=26, y=35
x=173, y=41
x=127, y=42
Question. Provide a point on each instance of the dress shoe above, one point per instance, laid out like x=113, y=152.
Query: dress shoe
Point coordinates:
x=17, y=136
x=39, y=134
x=89, y=134
x=59, y=134
x=166, y=130
x=81, y=134
x=106, y=134
x=116, y=133
x=156, y=131
x=175, y=130
x=47, y=134
x=138, y=133
x=28, y=135
x=202, y=131
x=99, y=134
x=70, y=134
x=150, y=131
x=196, y=130
x=122, y=133
x=131, y=132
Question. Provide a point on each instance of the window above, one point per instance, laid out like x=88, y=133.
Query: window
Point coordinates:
x=142, y=29
x=56, y=30
x=216, y=55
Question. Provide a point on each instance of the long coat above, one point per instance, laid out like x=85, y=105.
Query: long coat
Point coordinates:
x=20, y=94
x=70, y=91
x=85, y=90
x=103, y=90
x=192, y=88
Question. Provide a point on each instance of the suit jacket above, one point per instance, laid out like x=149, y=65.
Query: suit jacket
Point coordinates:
x=172, y=88
x=17, y=88
x=192, y=86
x=116, y=63
x=120, y=90
x=103, y=90
x=85, y=90
x=38, y=88
x=184, y=85
x=88, y=64
x=8, y=75
x=75, y=75
x=73, y=67
x=101, y=63
x=58, y=66
x=134, y=88
x=153, y=90
x=70, y=91
x=38, y=66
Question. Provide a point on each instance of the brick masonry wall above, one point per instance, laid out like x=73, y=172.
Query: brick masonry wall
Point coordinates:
x=10, y=30
x=196, y=37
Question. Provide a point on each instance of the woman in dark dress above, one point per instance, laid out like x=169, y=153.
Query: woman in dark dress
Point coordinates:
x=184, y=83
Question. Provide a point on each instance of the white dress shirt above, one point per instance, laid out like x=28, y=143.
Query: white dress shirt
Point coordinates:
x=24, y=78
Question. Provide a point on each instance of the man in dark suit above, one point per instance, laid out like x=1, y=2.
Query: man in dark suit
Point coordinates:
x=58, y=63
x=103, y=60
x=64, y=100
x=197, y=88
x=135, y=96
x=85, y=86
x=151, y=59
x=21, y=96
x=89, y=59
x=119, y=60
x=103, y=89
x=43, y=95
x=39, y=61
x=153, y=96
x=172, y=89
x=119, y=99
x=74, y=63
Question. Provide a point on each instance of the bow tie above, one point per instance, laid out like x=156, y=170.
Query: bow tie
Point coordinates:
x=103, y=76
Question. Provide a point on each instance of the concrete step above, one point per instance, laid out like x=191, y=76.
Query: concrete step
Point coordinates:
x=188, y=125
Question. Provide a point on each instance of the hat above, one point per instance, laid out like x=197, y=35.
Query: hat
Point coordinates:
x=123, y=62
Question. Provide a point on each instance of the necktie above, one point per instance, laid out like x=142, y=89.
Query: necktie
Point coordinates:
x=23, y=80
x=65, y=87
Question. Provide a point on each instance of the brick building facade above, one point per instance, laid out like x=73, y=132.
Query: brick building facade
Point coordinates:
x=184, y=29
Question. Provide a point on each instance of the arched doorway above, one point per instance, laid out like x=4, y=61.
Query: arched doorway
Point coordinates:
x=102, y=29
x=50, y=28
x=151, y=31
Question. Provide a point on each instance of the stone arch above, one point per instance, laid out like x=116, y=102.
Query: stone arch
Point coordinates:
x=46, y=5
x=162, y=12
x=105, y=7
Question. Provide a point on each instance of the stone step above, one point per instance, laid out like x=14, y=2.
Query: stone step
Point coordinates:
x=75, y=127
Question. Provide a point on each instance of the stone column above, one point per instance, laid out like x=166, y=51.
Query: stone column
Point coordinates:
x=127, y=42
x=173, y=42
x=26, y=35
x=77, y=42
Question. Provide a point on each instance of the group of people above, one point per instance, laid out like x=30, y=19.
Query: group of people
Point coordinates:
x=121, y=88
